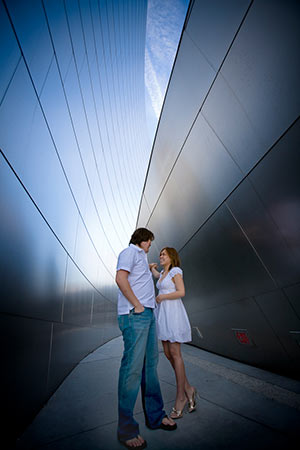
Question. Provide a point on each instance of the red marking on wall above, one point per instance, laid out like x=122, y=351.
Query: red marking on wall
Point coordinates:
x=242, y=337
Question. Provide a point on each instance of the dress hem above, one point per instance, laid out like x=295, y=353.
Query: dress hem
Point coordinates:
x=175, y=340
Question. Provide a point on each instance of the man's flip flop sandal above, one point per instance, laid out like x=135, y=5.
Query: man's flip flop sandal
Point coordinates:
x=168, y=427
x=139, y=447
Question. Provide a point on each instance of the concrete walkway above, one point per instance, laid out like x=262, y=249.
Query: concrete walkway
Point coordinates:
x=239, y=407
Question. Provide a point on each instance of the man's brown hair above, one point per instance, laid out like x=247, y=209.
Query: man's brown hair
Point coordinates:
x=141, y=235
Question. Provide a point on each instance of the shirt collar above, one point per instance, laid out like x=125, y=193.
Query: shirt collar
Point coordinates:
x=136, y=247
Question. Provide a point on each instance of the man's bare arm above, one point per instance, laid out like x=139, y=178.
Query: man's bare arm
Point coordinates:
x=124, y=286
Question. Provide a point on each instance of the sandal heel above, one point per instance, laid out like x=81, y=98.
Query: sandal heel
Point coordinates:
x=177, y=414
x=192, y=401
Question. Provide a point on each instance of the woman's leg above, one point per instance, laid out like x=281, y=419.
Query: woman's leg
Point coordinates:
x=167, y=352
x=172, y=351
x=178, y=364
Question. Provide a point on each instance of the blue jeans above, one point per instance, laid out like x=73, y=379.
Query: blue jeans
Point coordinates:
x=138, y=368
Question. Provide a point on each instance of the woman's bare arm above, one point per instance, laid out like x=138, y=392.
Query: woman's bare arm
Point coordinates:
x=180, y=290
x=153, y=269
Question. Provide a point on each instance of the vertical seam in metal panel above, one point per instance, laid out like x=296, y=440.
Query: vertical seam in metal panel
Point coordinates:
x=47, y=223
x=196, y=116
x=92, y=307
x=270, y=325
x=236, y=187
x=261, y=261
x=109, y=88
x=162, y=107
x=11, y=79
x=55, y=149
x=65, y=291
x=50, y=356
x=252, y=246
x=105, y=118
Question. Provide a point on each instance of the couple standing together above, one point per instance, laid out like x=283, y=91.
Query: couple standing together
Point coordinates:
x=142, y=319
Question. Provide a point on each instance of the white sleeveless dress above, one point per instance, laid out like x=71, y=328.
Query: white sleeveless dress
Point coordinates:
x=172, y=322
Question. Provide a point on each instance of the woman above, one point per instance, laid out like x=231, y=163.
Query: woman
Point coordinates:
x=173, y=325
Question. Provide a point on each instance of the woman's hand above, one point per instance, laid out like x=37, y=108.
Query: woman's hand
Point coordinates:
x=160, y=298
x=153, y=270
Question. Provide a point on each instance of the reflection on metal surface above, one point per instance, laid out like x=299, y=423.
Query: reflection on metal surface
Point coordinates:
x=72, y=166
x=199, y=334
x=296, y=335
x=223, y=182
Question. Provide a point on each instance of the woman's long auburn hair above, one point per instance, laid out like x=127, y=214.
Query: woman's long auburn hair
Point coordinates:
x=173, y=255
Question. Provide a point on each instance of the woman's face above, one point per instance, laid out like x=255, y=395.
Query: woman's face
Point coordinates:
x=164, y=258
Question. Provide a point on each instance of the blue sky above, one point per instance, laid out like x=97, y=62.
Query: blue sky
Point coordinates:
x=165, y=19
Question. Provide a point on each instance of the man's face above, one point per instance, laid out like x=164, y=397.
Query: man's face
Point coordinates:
x=145, y=245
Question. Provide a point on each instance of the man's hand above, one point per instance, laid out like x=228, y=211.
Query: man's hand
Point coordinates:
x=125, y=288
x=139, y=309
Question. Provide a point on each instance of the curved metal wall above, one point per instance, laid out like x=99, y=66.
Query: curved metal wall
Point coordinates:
x=74, y=154
x=223, y=184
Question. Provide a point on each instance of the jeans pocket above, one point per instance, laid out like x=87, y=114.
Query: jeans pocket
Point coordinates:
x=123, y=321
x=133, y=313
x=137, y=314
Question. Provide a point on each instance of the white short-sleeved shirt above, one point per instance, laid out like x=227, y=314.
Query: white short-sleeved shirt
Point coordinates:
x=134, y=260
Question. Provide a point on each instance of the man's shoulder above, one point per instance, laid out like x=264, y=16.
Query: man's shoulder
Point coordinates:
x=127, y=252
x=131, y=249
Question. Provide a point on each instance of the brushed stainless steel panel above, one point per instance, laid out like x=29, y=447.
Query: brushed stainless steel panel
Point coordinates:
x=105, y=316
x=9, y=52
x=32, y=32
x=32, y=260
x=249, y=246
x=281, y=316
x=24, y=360
x=56, y=112
x=262, y=69
x=227, y=116
x=220, y=265
x=29, y=148
x=293, y=294
x=265, y=236
x=203, y=176
x=276, y=180
x=78, y=297
x=21, y=114
x=144, y=212
x=88, y=258
x=56, y=17
x=70, y=345
x=216, y=326
x=74, y=23
x=191, y=79
x=212, y=26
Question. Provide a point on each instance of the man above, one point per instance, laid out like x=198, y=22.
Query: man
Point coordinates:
x=136, y=302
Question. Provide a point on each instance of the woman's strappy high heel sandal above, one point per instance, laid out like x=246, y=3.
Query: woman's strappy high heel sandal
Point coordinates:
x=177, y=413
x=192, y=401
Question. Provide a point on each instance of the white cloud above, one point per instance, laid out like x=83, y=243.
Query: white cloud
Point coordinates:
x=165, y=19
x=152, y=85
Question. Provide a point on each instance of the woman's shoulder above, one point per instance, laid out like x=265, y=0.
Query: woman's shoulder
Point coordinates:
x=176, y=270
